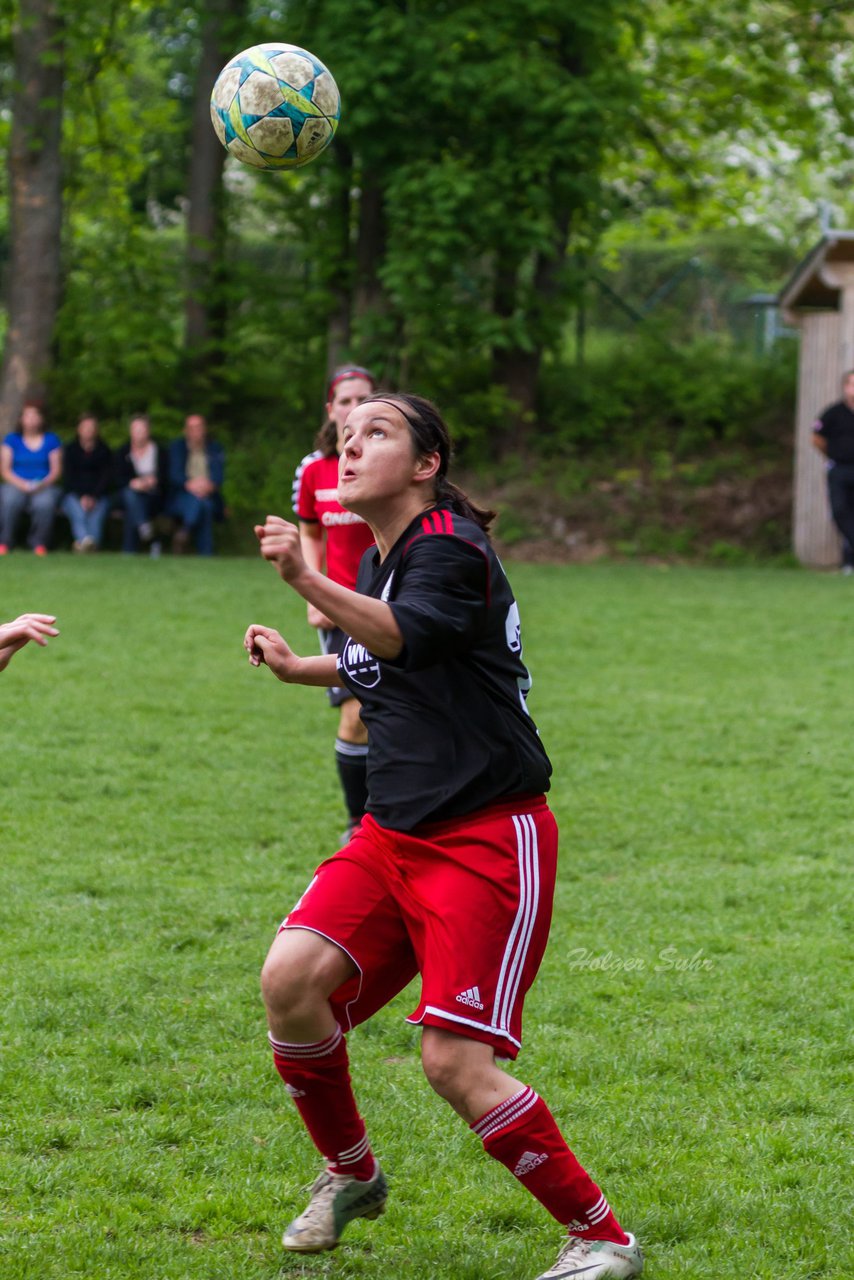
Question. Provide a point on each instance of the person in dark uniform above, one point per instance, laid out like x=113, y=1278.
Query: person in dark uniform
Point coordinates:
x=833, y=435
x=451, y=873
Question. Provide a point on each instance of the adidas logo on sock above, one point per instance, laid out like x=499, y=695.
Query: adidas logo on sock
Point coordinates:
x=529, y=1162
x=294, y=1091
x=471, y=998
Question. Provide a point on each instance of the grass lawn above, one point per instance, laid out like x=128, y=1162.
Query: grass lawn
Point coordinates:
x=163, y=805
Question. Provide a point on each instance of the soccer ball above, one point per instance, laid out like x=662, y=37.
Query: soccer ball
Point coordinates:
x=275, y=106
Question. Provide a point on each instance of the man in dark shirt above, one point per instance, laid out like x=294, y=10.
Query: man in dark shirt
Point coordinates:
x=88, y=473
x=196, y=474
x=833, y=435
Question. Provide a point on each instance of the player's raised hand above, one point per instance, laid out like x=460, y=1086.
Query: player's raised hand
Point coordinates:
x=280, y=545
x=29, y=626
x=266, y=647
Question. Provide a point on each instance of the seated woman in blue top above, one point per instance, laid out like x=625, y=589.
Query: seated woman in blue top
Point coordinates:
x=30, y=468
x=196, y=473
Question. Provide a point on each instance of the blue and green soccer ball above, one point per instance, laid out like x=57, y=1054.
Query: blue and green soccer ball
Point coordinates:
x=275, y=106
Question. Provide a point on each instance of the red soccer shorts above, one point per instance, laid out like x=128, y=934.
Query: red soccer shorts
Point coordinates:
x=466, y=903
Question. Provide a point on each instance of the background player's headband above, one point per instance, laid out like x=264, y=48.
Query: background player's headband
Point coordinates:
x=352, y=371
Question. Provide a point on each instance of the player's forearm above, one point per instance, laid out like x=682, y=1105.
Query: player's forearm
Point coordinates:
x=320, y=671
x=311, y=545
x=369, y=621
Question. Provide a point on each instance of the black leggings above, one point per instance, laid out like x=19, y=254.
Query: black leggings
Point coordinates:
x=840, y=487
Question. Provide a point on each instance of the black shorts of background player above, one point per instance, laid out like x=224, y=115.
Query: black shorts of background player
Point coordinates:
x=833, y=435
x=333, y=541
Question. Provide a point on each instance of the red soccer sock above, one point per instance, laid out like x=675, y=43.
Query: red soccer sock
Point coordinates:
x=317, y=1076
x=522, y=1134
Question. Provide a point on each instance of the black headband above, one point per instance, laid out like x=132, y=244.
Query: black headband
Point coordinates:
x=415, y=423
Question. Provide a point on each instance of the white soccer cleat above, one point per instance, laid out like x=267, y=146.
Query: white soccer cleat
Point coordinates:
x=596, y=1260
x=336, y=1199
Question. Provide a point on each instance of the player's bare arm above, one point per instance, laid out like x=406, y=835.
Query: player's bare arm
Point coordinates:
x=37, y=627
x=369, y=621
x=311, y=544
x=7, y=475
x=266, y=647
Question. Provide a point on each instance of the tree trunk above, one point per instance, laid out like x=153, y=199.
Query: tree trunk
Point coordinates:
x=370, y=249
x=517, y=368
x=35, y=180
x=581, y=319
x=514, y=368
x=205, y=309
x=341, y=283
x=520, y=372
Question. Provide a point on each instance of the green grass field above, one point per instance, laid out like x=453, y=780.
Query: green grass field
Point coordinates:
x=163, y=804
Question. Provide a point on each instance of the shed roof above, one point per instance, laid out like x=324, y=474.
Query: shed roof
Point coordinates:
x=806, y=286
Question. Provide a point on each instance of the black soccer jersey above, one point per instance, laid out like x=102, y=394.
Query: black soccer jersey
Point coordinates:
x=448, y=728
x=836, y=424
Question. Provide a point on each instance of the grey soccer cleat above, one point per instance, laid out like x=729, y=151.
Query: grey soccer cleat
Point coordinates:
x=596, y=1260
x=336, y=1199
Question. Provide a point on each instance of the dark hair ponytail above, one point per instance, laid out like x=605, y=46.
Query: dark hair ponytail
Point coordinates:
x=430, y=434
x=326, y=440
x=451, y=495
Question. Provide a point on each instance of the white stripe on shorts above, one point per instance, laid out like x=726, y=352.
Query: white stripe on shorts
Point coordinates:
x=515, y=953
x=466, y=1022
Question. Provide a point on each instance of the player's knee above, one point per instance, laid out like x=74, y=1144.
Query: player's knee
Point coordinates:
x=274, y=984
x=445, y=1067
x=302, y=969
x=287, y=988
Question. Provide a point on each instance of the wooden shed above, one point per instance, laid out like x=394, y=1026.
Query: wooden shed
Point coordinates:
x=819, y=299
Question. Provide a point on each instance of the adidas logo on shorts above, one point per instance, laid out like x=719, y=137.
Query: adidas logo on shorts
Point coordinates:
x=529, y=1162
x=471, y=998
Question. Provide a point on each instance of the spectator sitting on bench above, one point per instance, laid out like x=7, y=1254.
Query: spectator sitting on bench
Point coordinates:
x=87, y=474
x=142, y=471
x=30, y=468
x=196, y=472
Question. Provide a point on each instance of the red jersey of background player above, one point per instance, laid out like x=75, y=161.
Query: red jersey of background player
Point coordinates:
x=347, y=537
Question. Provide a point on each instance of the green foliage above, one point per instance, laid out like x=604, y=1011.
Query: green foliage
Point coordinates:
x=715, y=142
x=119, y=329
x=167, y=804
x=117, y=340
x=648, y=396
x=445, y=116
x=482, y=170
